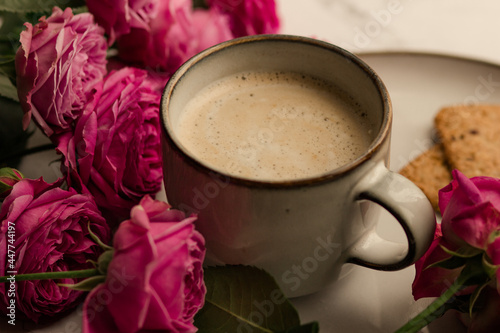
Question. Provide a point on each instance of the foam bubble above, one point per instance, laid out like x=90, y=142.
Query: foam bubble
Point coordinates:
x=273, y=126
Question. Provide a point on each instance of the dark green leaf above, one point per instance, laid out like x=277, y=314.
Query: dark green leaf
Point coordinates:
x=475, y=296
x=40, y=6
x=8, y=78
x=450, y=263
x=13, y=138
x=474, y=271
x=104, y=260
x=460, y=303
x=96, y=239
x=7, y=89
x=244, y=299
x=307, y=328
x=200, y=4
x=489, y=268
x=79, y=10
x=10, y=30
x=463, y=252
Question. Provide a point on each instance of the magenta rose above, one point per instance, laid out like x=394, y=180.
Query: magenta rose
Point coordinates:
x=433, y=281
x=156, y=80
x=118, y=17
x=44, y=228
x=470, y=209
x=58, y=63
x=249, y=17
x=167, y=42
x=160, y=35
x=115, y=151
x=210, y=27
x=154, y=281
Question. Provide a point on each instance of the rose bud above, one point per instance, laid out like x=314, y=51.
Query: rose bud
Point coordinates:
x=8, y=178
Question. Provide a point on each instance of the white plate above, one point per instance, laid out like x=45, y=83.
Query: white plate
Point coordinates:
x=419, y=85
x=366, y=300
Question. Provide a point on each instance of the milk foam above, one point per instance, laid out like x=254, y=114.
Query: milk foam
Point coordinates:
x=273, y=126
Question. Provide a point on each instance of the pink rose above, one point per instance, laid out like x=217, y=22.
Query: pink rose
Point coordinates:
x=210, y=27
x=470, y=210
x=161, y=35
x=118, y=17
x=154, y=281
x=167, y=42
x=47, y=228
x=115, y=150
x=58, y=63
x=249, y=17
x=156, y=80
x=433, y=281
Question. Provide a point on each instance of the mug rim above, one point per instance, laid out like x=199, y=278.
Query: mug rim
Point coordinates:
x=382, y=135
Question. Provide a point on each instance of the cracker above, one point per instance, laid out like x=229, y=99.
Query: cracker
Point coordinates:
x=470, y=135
x=429, y=171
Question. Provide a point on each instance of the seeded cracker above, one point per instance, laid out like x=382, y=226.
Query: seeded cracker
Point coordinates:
x=470, y=135
x=429, y=171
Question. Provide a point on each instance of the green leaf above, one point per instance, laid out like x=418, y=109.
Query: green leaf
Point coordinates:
x=246, y=299
x=475, y=296
x=474, y=270
x=7, y=89
x=200, y=4
x=489, y=268
x=104, y=261
x=80, y=9
x=493, y=236
x=307, y=328
x=13, y=138
x=449, y=263
x=96, y=239
x=463, y=252
x=29, y=6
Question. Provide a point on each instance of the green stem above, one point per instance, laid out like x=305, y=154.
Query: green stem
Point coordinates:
x=84, y=273
x=435, y=309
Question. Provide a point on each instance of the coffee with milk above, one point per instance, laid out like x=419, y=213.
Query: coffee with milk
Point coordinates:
x=273, y=126
x=254, y=151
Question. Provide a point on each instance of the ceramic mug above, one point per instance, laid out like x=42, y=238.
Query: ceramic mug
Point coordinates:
x=301, y=231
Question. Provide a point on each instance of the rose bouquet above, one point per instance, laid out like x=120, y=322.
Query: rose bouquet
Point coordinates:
x=462, y=266
x=90, y=76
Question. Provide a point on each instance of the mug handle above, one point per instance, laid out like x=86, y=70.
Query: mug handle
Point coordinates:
x=411, y=208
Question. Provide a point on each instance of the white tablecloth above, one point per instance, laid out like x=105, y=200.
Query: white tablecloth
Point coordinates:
x=457, y=27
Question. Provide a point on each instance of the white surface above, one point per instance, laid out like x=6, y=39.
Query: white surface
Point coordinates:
x=371, y=301
x=458, y=27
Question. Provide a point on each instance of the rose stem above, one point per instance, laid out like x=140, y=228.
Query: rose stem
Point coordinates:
x=84, y=273
x=434, y=310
